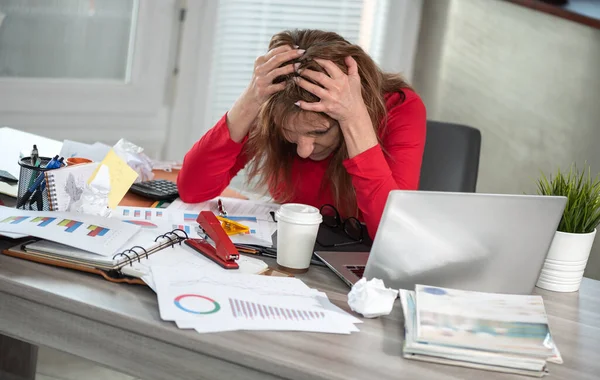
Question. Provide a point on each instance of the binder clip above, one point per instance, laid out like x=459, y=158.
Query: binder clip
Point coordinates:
x=232, y=227
x=224, y=252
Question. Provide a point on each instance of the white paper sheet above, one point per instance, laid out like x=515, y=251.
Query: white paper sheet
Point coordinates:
x=210, y=302
x=103, y=236
x=253, y=214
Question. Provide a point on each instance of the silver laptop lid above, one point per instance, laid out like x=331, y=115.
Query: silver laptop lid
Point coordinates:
x=483, y=242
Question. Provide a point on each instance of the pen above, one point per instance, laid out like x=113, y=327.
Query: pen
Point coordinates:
x=269, y=252
x=54, y=163
x=34, y=155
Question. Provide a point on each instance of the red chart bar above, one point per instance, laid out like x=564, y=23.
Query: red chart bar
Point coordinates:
x=95, y=231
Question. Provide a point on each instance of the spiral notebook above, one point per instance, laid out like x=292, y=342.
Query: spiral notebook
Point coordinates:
x=130, y=265
x=66, y=185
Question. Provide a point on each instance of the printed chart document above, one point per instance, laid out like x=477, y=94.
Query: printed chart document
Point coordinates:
x=253, y=214
x=154, y=219
x=102, y=236
x=210, y=302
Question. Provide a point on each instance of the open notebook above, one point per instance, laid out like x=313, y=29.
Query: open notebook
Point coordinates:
x=66, y=185
x=133, y=264
x=117, y=250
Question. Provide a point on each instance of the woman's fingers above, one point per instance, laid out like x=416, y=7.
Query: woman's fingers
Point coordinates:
x=310, y=87
x=352, y=66
x=318, y=77
x=273, y=52
x=311, y=106
x=287, y=69
x=280, y=58
x=275, y=88
x=331, y=68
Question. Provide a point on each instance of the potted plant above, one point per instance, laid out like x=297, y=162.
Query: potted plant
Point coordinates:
x=572, y=243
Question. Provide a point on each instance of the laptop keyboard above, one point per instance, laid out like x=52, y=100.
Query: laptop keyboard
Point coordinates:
x=358, y=270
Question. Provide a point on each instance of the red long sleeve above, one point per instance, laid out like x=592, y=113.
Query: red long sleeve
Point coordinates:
x=375, y=174
x=215, y=159
x=210, y=165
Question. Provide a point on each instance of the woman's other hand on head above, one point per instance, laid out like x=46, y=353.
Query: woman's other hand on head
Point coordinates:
x=340, y=93
x=267, y=68
x=341, y=98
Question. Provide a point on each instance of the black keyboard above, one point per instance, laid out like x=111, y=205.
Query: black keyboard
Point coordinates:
x=157, y=189
x=358, y=270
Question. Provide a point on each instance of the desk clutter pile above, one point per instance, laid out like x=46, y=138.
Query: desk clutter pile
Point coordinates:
x=497, y=332
x=192, y=290
x=147, y=245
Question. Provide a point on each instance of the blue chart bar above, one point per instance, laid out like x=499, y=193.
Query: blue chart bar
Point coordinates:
x=46, y=222
x=73, y=226
x=103, y=232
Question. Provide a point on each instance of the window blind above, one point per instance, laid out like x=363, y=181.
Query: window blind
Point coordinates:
x=245, y=27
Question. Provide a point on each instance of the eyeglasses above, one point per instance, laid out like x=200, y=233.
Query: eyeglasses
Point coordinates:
x=352, y=227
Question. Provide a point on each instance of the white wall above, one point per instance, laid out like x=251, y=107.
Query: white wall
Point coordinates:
x=528, y=80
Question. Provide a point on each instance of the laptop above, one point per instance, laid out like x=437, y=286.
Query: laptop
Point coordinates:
x=482, y=242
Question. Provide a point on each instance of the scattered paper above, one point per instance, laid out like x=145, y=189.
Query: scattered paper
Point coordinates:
x=121, y=177
x=103, y=236
x=182, y=256
x=253, y=214
x=210, y=302
x=371, y=298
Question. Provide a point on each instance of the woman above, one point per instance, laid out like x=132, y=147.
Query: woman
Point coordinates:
x=318, y=124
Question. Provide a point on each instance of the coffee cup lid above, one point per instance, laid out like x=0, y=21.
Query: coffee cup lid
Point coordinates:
x=299, y=213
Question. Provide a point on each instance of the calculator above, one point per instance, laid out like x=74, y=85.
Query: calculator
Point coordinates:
x=157, y=189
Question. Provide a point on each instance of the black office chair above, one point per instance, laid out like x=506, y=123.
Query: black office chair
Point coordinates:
x=451, y=158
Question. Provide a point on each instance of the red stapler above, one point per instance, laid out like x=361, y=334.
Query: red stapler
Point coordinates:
x=224, y=253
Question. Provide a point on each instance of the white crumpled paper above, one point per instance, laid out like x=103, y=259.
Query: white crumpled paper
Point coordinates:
x=371, y=298
x=135, y=158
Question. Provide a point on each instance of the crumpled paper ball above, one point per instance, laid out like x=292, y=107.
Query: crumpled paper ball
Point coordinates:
x=371, y=298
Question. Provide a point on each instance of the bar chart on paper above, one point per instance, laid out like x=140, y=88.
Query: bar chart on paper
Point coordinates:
x=43, y=221
x=71, y=225
x=140, y=216
x=14, y=219
x=241, y=309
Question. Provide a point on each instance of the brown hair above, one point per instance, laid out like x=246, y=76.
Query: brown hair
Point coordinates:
x=272, y=155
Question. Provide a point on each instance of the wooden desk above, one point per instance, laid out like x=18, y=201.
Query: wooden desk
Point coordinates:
x=119, y=326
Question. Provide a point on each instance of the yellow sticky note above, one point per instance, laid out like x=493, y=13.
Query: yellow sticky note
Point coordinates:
x=121, y=177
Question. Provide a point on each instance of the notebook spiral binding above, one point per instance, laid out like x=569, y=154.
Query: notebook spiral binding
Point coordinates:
x=169, y=239
x=51, y=188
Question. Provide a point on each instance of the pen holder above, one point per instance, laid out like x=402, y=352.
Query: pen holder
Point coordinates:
x=27, y=176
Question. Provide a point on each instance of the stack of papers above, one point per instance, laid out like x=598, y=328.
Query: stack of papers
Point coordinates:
x=214, y=301
x=498, y=332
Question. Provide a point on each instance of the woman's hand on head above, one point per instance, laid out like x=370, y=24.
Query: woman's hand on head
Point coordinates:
x=341, y=98
x=267, y=68
x=242, y=115
x=340, y=93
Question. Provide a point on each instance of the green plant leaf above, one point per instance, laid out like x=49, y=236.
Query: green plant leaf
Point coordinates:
x=582, y=210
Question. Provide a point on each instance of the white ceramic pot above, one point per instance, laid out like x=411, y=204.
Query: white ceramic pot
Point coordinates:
x=566, y=261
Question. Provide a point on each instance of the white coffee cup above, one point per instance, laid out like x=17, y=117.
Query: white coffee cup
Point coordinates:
x=297, y=228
